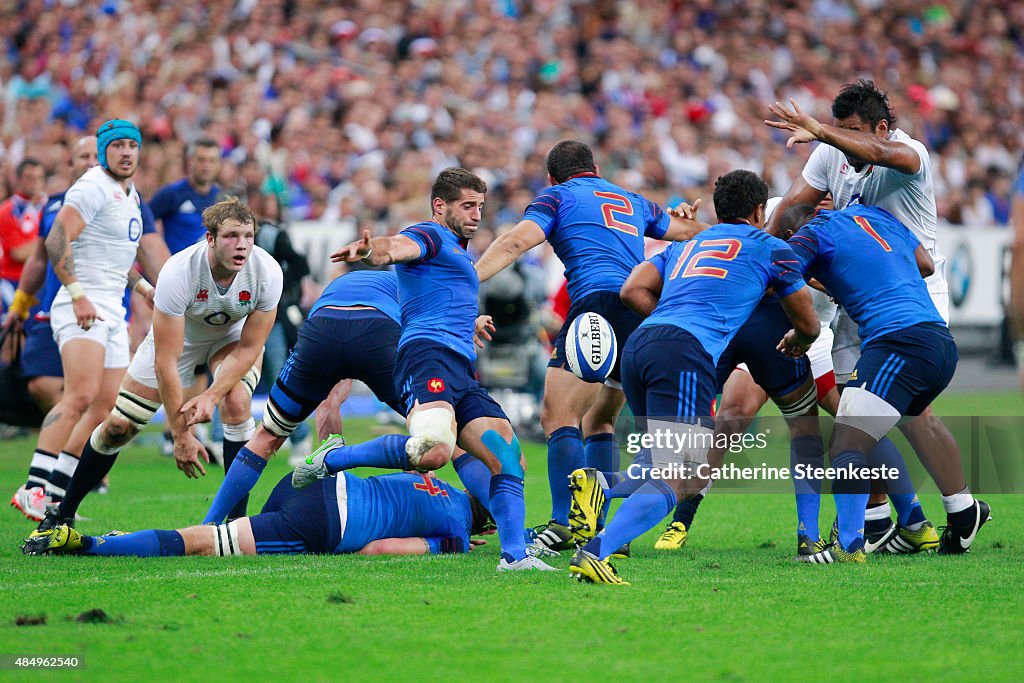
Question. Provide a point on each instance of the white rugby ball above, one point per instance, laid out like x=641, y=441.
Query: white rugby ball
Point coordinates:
x=590, y=347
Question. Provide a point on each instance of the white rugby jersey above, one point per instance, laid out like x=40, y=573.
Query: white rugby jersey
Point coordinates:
x=186, y=288
x=908, y=197
x=105, y=250
x=823, y=306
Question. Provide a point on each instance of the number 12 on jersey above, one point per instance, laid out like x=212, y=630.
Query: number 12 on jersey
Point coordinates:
x=708, y=251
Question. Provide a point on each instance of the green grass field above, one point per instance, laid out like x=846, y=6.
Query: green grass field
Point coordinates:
x=731, y=606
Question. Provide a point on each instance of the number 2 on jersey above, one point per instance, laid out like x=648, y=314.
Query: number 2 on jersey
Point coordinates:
x=618, y=205
x=732, y=248
x=866, y=226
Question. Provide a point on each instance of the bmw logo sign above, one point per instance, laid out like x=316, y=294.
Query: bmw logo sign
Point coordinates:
x=959, y=275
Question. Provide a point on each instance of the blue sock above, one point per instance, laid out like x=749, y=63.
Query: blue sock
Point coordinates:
x=808, y=451
x=851, y=496
x=901, y=490
x=386, y=452
x=601, y=452
x=475, y=476
x=150, y=543
x=637, y=515
x=508, y=507
x=565, y=454
x=244, y=473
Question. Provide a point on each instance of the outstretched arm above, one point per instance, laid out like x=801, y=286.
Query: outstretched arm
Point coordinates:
x=378, y=251
x=508, y=247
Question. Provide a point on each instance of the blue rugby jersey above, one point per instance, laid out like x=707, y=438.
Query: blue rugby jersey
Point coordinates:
x=180, y=208
x=377, y=288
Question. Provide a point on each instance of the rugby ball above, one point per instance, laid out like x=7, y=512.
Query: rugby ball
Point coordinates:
x=590, y=347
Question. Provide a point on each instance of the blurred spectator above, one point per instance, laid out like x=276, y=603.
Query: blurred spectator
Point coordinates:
x=19, y=224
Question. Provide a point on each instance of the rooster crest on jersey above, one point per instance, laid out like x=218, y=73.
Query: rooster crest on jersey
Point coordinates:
x=590, y=347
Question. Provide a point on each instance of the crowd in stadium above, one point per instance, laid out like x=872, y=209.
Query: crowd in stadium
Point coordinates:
x=347, y=110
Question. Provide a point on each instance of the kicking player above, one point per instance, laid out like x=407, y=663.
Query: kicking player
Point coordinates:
x=215, y=304
x=434, y=371
x=866, y=160
x=392, y=514
x=696, y=295
x=351, y=332
x=597, y=229
x=907, y=357
x=50, y=474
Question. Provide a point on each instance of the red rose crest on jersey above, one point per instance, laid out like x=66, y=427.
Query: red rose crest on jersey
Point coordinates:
x=435, y=385
x=244, y=297
x=203, y=295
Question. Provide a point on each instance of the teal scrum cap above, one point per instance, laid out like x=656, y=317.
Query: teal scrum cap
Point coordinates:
x=115, y=129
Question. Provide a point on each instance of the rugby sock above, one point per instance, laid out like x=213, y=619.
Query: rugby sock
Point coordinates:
x=958, y=502
x=686, y=509
x=901, y=489
x=565, y=454
x=809, y=452
x=39, y=470
x=149, y=543
x=508, y=507
x=851, y=496
x=640, y=513
x=475, y=476
x=601, y=452
x=244, y=473
x=92, y=467
x=60, y=477
x=235, y=437
x=385, y=452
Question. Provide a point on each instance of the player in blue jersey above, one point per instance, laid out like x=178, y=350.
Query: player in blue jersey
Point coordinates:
x=179, y=206
x=434, y=371
x=695, y=296
x=393, y=514
x=351, y=332
x=597, y=229
x=49, y=473
x=907, y=358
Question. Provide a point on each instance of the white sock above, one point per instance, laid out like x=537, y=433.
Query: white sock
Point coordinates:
x=40, y=468
x=883, y=511
x=958, y=501
x=63, y=473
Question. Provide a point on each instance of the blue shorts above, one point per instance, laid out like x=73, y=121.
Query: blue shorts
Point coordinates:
x=756, y=345
x=607, y=304
x=334, y=345
x=429, y=371
x=667, y=373
x=40, y=356
x=296, y=521
x=909, y=368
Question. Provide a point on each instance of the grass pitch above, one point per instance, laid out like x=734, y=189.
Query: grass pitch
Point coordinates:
x=731, y=606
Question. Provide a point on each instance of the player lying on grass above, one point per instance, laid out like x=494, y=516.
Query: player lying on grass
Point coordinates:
x=391, y=514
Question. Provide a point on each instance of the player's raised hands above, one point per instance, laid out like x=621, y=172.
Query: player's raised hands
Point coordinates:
x=803, y=126
x=484, y=329
x=354, y=251
x=684, y=211
x=189, y=455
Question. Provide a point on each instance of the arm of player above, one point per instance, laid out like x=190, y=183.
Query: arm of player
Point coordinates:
x=417, y=546
x=799, y=309
x=508, y=247
x=484, y=328
x=238, y=362
x=683, y=224
x=378, y=251
x=642, y=289
x=67, y=226
x=139, y=285
x=866, y=147
x=924, y=261
x=800, y=192
x=153, y=254
x=168, y=341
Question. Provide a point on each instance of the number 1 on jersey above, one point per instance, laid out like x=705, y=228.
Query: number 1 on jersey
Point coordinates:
x=866, y=226
x=618, y=205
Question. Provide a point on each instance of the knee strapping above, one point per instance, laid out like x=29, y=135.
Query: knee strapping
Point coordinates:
x=251, y=380
x=430, y=425
x=277, y=422
x=801, y=405
x=508, y=453
x=861, y=409
x=99, y=445
x=226, y=540
x=132, y=407
x=240, y=432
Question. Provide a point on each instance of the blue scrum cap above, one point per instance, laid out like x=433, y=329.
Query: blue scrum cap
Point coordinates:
x=115, y=129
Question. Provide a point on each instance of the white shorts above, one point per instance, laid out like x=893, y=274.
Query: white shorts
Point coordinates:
x=111, y=332
x=820, y=353
x=143, y=367
x=846, y=347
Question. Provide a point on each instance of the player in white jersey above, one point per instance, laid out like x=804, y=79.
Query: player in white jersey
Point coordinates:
x=215, y=304
x=865, y=160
